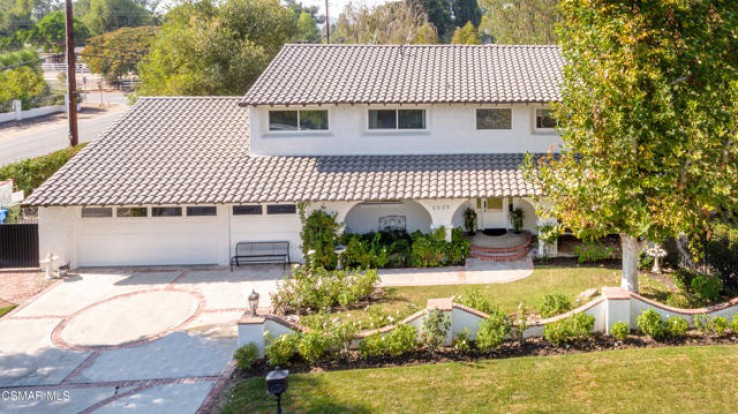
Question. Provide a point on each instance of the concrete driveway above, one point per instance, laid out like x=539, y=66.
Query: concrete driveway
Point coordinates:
x=154, y=341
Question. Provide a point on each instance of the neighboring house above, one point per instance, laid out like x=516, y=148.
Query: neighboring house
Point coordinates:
x=380, y=135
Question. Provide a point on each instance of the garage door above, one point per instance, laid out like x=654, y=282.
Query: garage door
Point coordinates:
x=150, y=241
x=268, y=228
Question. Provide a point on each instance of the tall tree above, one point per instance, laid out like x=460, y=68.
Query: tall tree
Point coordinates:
x=522, y=21
x=439, y=14
x=209, y=49
x=466, y=35
x=307, y=29
x=118, y=53
x=648, y=118
x=466, y=11
x=109, y=15
x=51, y=31
x=390, y=23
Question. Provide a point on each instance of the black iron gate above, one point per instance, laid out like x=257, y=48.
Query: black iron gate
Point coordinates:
x=19, y=245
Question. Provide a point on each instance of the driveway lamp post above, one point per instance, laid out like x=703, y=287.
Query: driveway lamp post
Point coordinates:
x=277, y=385
x=253, y=301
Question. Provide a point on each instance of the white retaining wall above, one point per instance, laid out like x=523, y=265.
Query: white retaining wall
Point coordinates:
x=18, y=115
x=615, y=305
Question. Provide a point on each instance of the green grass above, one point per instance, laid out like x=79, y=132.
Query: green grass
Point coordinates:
x=6, y=309
x=657, y=380
x=545, y=279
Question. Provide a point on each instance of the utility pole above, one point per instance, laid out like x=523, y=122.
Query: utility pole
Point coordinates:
x=71, y=78
x=327, y=25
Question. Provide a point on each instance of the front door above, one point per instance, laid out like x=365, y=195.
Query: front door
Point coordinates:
x=492, y=213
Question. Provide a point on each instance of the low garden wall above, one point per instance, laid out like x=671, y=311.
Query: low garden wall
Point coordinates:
x=613, y=306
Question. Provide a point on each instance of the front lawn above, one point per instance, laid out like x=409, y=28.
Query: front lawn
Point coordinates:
x=671, y=379
x=569, y=280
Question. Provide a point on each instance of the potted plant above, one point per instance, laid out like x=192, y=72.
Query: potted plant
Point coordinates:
x=470, y=221
x=516, y=217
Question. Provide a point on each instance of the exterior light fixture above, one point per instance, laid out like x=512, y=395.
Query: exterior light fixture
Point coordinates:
x=253, y=301
x=277, y=385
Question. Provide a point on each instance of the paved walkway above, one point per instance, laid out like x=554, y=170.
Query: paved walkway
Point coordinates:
x=127, y=341
x=475, y=272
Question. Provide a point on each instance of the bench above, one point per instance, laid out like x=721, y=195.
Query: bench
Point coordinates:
x=261, y=252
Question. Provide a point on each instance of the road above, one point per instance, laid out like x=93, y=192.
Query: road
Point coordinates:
x=35, y=138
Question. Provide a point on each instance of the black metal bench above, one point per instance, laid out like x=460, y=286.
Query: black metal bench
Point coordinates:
x=261, y=252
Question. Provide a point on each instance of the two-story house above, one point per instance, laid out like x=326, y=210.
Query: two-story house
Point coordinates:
x=415, y=133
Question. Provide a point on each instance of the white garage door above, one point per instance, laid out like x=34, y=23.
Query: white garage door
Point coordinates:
x=151, y=241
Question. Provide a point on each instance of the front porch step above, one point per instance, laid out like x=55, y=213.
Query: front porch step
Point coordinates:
x=502, y=257
x=502, y=254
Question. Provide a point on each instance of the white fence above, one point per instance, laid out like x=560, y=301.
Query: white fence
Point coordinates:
x=18, y=114
x=613, y=306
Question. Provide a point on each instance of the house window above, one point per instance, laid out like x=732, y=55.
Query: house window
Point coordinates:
x=494, y=118
x=166, y=211
x=132, y=212
x=250, y=210
x=544, y=119
x=397, y=119
x=281, y=209
x=313, y=120
x=97, y=212
x=201, y=211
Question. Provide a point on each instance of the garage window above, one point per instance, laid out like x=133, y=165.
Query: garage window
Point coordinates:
x=97, y=212
x=166, y=211
x=201, y=211
x=281, y=209
x=132, y=212
x=252, y=210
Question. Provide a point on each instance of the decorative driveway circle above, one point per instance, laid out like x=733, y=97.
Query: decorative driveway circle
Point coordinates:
x=128, y=318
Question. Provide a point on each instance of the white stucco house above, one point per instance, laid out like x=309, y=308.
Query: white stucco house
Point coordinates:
x=368, y=132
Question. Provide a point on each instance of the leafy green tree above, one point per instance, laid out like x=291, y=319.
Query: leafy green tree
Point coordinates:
x=23, y=82
x=522, y=21
x=118, y=53
x=466, y=11
x=108, y=15
x=648, y=119
x=209, y=49
x=466, y=35
x=439, y=14
x=51, y=31
x=307, y=29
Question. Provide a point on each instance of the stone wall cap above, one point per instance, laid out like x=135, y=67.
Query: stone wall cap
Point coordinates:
x=444, y=304
x=615, y=293
x=249, y=319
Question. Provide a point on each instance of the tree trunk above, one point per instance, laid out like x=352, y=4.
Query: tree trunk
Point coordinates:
x=631, y=248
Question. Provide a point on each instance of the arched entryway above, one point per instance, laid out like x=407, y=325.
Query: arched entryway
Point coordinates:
x=374, y=216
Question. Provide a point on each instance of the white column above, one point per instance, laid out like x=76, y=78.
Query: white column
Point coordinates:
x=442, y=212
x=18, y=108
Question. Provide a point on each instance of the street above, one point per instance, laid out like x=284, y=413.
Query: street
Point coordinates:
x=34, y=138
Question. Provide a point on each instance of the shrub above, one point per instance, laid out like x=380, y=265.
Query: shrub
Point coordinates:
x=620, y=331
x=704, y=325
x=683, y=279
x=721, y=324
x=651, y=324
x=342, y=334
x=428, y=250
x=435, y=326
x=401, y=340
x=472, y=298
x=246, y=355
x=593, y=252
x=281, y=351
x=707, y=287
x=573, y=328
x=312, y=346
x=319, y=233
x=520, y=323
x=493, y=330
x=721, y=255
x=555, y=304
x=462, y=341
x=675, y=327
x=322, y=289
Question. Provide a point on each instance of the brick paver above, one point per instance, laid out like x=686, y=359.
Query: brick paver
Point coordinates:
x=18, y=286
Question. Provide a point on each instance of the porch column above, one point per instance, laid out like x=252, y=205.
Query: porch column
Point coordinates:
x=442, y=212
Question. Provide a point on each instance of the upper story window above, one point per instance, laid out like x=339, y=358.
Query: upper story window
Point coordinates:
x=312, y=120
x=397, y=119
x=545, y=119
x=494, y=118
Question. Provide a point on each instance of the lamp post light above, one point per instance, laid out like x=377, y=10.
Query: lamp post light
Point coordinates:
x=253, y=301
x=277, y=385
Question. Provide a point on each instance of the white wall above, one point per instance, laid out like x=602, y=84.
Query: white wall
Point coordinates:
x=364, y=217
x=450, y=129
x=57, y=233
x=265, y=227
